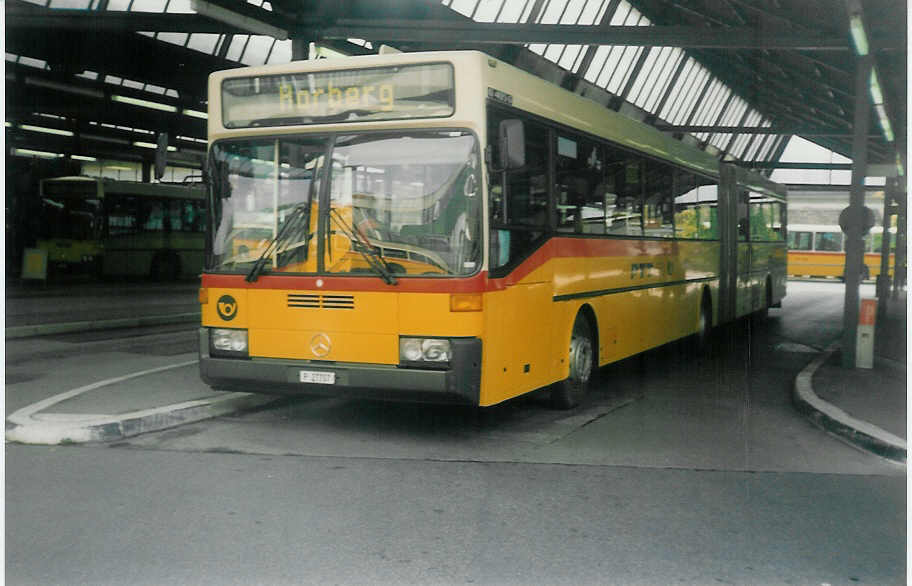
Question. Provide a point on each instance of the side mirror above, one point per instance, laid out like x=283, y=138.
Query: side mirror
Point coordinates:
x=512, y=144
x=161, y=155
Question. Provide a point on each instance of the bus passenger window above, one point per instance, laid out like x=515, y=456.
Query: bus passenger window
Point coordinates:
x=658, y=203
x=580, y=186
x=123, y=214
x=828, y=241
x=623, y=192
x=687, y=206
x=799, y=241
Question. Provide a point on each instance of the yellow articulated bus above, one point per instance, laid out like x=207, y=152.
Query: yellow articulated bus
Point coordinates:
x=446, y=227
x=122, y=228
x=817, y=250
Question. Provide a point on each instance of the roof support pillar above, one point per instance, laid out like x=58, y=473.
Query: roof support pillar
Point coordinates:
x=300, y=49
x=854, y=214
x=883, y=279
x=899, y=262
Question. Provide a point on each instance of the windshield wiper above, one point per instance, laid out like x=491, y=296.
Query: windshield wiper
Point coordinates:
x=360, y=243
x=293, y=221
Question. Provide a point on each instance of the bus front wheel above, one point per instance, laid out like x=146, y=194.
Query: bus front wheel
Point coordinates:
x=571, y=391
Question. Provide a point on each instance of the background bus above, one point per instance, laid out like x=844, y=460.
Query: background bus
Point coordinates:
x=122, y=228
x=817, y=250
x=446, y=227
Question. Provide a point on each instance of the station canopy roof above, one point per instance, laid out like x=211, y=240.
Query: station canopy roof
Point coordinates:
x=738, y=78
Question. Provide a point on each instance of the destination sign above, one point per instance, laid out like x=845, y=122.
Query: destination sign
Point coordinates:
x=324, y=97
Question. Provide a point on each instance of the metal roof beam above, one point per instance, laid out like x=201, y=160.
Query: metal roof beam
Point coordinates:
x=459, y=32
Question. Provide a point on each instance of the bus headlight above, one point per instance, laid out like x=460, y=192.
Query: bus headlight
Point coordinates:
x=228, y=343
x=425, y=351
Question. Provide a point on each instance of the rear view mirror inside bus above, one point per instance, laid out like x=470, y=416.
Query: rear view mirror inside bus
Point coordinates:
x=512, y=144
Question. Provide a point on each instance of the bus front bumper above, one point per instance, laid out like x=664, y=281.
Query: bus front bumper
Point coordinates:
x=461, y=383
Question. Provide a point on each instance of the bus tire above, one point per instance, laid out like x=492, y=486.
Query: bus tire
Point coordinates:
x=571, y=391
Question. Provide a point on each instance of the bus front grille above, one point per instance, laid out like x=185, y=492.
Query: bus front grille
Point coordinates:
x=316, y=301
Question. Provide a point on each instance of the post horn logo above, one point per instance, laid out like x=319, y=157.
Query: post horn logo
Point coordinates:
x=226, y=307
x=320, y=345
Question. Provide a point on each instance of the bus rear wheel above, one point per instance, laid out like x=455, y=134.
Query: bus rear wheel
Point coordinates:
x=571, y=391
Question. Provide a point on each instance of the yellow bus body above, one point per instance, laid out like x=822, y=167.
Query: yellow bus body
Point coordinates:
x=641, y=292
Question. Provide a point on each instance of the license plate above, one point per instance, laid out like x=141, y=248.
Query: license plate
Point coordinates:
x=320, y=378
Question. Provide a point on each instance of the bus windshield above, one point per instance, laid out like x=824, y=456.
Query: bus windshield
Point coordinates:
x=74, y=218
x=404, y=203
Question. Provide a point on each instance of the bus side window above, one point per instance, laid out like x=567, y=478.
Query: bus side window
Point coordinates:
x=828, y=241
x=658, y=203
x=800, y=241
x=580, y=186
x=623, y=193
x=123, y=214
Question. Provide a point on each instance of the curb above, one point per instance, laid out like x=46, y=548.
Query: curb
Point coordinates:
x=56, y=428
x=99, y=324
x=833, y=419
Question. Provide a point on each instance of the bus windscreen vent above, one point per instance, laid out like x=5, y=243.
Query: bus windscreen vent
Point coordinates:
x=312, y=301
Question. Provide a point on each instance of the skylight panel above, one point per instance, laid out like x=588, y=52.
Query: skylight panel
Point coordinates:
x=281, y=52
x=29, y=61
x=672, y=106
x=712, y=104
x=464, y=7
x=646, y=75
x=179, y=39
x=740, y=144
x=70, y=4
x=257, y=49
x=593, y=12
x=690, y=91
x=512, y=11
x=487, y=10
x=553, y=12
x=734, y=112
x=203, y=42
x=720, y=141
x=147, y=5
x=238, y=42
x=623, y=70
x=180, y=6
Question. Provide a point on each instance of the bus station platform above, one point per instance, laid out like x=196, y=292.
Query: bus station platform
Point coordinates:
x=866, y=407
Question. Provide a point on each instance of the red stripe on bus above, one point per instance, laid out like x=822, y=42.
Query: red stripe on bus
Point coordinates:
x=475, y=284
x=585, y=248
